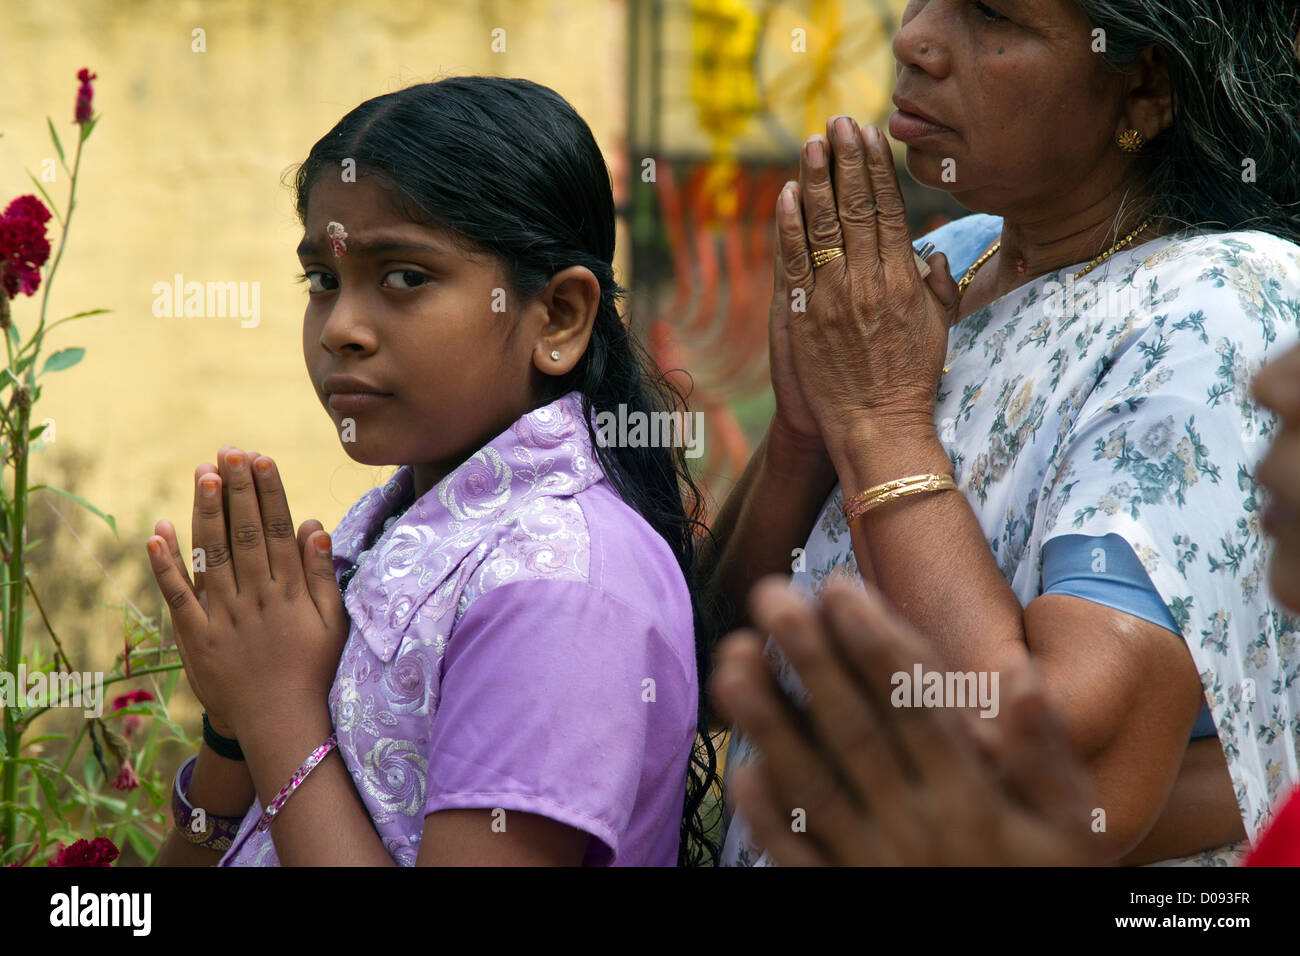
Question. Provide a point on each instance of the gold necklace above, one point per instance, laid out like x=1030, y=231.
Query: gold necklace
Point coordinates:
x=970, y=273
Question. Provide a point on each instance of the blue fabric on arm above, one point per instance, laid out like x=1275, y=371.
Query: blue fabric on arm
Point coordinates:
x=963, y=240
x=1105, y=570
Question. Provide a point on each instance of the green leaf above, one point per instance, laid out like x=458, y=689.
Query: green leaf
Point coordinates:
x=112, y=522
x=151, y=788
x=55, y=137
x=143, y=709
x=176, y=729
x=48, y=201
x=79, y=315
x=63, y=358
x=140, y=844
x=51, y=797
x=13, y=334
x=111, y=803
x=37, y=818
x=90, y=771
x=89, y=128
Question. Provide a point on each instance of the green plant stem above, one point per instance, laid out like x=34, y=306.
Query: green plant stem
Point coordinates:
x=35, y=712
x=49, y=278
x=17, y=558
x=14, y=624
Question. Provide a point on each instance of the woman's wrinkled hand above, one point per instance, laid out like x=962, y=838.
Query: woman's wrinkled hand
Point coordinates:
x=867, y=334
x=793, y=415
x=261, y=628
x=877, y=784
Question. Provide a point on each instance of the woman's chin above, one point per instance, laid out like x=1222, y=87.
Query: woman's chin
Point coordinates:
x=927, y=168
x=371, y=453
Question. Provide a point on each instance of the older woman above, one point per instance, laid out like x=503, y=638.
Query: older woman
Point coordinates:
x=1077, y=402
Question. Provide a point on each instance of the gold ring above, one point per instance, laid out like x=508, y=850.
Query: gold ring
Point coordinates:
x=822, y=256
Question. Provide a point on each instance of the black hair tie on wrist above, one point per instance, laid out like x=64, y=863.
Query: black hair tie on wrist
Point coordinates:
x=226, y=747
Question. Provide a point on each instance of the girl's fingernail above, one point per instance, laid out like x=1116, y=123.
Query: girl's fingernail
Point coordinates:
x=155, y=546
x=323, y=543
x=207, y=487
x=263, y=466
x=787, y=199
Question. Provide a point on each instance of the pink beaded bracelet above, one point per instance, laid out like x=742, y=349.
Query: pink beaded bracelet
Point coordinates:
x=299, y=775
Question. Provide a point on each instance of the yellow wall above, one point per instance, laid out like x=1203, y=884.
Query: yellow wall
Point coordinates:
x=183, y=175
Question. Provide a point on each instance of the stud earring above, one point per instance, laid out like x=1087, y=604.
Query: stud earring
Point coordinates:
x=555, y=356
x=1131, y=141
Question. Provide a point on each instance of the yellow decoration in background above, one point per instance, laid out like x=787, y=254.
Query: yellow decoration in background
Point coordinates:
x=724, y=44
x=840, y=65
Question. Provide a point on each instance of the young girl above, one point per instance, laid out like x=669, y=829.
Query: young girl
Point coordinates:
x=501, y=658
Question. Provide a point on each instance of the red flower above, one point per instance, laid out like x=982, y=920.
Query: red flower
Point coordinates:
x=23, y=246
x=28, y=207
x=131, y=697
x=126, y=778
x=85, y=93
x=131, y=722
x=97, y=852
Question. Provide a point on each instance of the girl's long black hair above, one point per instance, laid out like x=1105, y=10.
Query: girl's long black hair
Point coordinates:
x=510, y=168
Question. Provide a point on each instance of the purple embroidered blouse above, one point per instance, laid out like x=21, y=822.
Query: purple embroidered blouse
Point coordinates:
x=521, y=638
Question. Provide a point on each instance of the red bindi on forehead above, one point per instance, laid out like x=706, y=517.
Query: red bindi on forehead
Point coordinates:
x=337, y=236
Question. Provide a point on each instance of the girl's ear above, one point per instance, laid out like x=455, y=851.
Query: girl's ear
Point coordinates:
x=571, y=303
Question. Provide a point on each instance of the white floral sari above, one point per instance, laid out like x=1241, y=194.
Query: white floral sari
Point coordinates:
x=1120, y=405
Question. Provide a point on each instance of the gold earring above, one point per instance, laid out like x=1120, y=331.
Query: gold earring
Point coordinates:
x=1131, y=141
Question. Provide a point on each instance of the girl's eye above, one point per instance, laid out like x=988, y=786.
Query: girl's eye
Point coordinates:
x=316, y=279
x=989, y=14
x=407, y=279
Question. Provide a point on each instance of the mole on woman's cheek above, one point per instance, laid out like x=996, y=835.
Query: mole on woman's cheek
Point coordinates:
x=1000, y=51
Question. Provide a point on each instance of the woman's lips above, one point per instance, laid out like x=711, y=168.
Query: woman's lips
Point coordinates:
x=357, y=401
x=908, y=126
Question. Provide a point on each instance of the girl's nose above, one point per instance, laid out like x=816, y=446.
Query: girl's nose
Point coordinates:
x=348, y=325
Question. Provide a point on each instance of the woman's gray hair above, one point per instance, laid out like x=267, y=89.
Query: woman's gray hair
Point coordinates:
x=1234, y=78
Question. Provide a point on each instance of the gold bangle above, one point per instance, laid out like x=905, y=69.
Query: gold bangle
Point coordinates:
x=887, y=486
x=863, y=502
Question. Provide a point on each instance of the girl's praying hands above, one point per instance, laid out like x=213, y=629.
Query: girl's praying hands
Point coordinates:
x=261, y=632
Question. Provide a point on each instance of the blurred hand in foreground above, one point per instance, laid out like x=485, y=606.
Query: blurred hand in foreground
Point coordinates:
x=854, y=780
